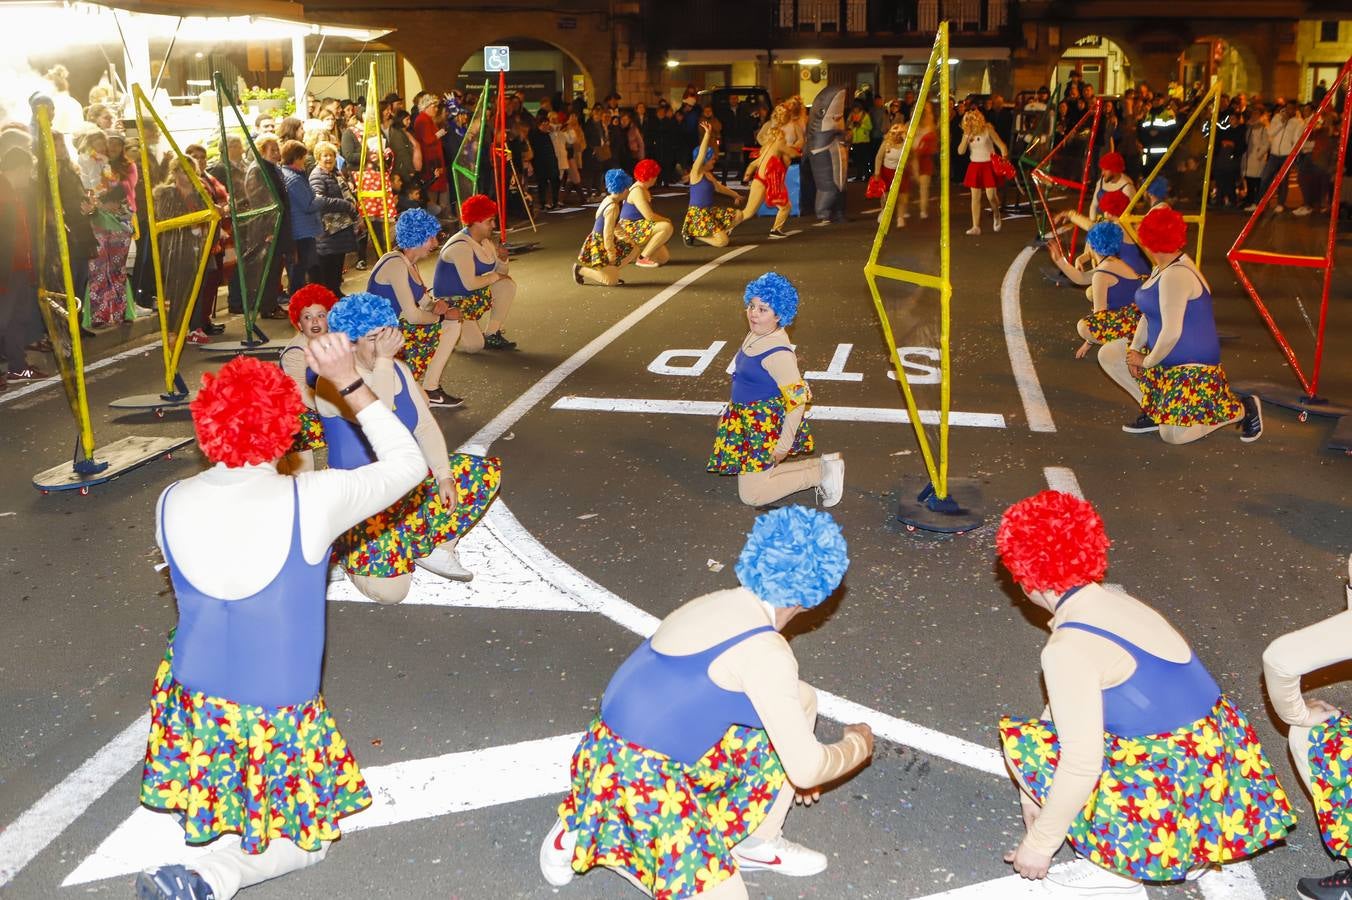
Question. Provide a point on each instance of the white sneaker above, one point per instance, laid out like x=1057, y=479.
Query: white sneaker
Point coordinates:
x=975, y=229
x=1301, y=211
x=832, y=487
x=998, y=222
x=445, y=562
x=1081, y=878
x=781, y=855
x=556, y=855
x=1251, y=207
x=1279, y=208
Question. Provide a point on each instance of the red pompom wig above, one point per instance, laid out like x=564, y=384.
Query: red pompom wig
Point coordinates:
x=246, y=414
x=647, y=168
x=1113, y=162
x=309, y=295
x=1114, y=203
x=478, y=208
x=1162, y=230
x=1052, y=541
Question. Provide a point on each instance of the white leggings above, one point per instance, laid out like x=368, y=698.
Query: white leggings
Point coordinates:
x=227, y=869
x=473, y=331
x=1113, y=358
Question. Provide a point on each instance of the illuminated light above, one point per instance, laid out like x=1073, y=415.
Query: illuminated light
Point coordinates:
x=809, y=61
x=673, y=64
x=953, y=62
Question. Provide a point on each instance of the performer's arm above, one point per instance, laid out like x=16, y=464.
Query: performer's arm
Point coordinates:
x=461, y=255
x=1071, y=665
x=723, y=189
x=639, y=196
x=293, y=364
x=428, y=434
x=995, y=139
x=397, y=278
x=609, y=217
x=962, y=144
x=783, y=368
x=1141, y=339
x=1079, y=276
x=697, y=165
x=878, y=160
x=1177, y=287
x=1292, y=655
x=1102, y=280
x=1082, y=222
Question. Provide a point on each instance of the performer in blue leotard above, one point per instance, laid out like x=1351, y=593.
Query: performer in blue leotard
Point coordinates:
x=242, y=748
x=1172, y=365
x=703, y=220
x=472, y=275
x=606, y=248
x=764, y=423
x=1143, y=765
x=1110, y=286
x=705, y=733
x=639, y=223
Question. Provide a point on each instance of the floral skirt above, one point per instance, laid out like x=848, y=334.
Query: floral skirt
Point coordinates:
x=593, y=254
x=1188, y=395
x=260, y=773
x=670, y=825
x=1112, y=324
x=1167, y=803
x=311, y=434
x=386, y=544
x=705, y=221
x=747, y=434
x=635, y=232
x=1331, y=782
x=474, y=305
x=420, y=345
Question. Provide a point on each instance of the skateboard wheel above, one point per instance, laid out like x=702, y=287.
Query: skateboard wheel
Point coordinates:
x=910, y=528
x=159, y=413
x=960, y=532
x=1304, y=416
x=84, y=491
x=169, y=455
x=45, y=493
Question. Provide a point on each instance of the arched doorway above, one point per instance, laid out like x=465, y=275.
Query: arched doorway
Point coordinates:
x=1099, y=61
x=1229, y=63
x=539, y=70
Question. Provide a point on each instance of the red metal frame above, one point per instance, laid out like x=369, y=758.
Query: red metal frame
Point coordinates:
x=1040, y=177
x=500, y=155
x=1238, y=254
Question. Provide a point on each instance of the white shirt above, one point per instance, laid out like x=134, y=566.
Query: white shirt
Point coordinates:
x=980, y=147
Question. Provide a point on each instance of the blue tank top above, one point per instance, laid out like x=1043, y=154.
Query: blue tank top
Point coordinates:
x=348, y=447
x=1123, y=293
x=446, y=277
x=387, y=290
x=702, y=194
x=670, y=705
x=599, y=226
x=266, y=649
x=1199, y=343
x=629, y=213
x=1160, y=696
x=750, y=382
x=1135, y=257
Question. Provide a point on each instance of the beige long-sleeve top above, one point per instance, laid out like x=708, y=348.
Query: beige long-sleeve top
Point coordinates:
x=783, y=368
x=1077, y=667
x=292, y=359
x=1296, y=654
x=764, y=668
x=1180, y=283
x=383, y=383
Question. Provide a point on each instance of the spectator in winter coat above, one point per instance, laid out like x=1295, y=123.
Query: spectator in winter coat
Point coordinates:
x=306, y=208
x=338, y=220
x=428, y=127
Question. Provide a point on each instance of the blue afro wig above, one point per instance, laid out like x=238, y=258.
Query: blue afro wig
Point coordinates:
x=618, y=181
x=776, y=292
x=415, y=227
x=357, y=315
x=708, y=154
x=1159, y=188
x=1105, y=238
x=794, y=556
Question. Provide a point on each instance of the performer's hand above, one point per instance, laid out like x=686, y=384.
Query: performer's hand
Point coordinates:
x=446, y=491
x=1029, y=863
x=388, y=342
x=865, y=732
x=807, y=797
x=439, y=308
x=502, y=253
x=1083, y=351
x=1054, y=250
x=1136, y=363
x=453, y=314
x=1317, y=711
x=778, y=456
x=331, y=357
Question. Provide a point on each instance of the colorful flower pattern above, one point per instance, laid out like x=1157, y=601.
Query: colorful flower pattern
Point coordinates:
x=1167, y=803
x=474, y=305
x=1188, y=395
x=420, y=344
x=669, y=825
x=635, y=232
x=260, y=773
x=704, y=221
x=1331, y=782
x=593, y=253
x=386, y=544
x=311, y=433
x=747, y=434
x=1113, y=324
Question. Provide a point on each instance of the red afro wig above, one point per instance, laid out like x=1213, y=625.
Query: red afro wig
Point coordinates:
x=1052, y=541
x=478, y=208
x=309, y=295
x=246, y=414
x=1114, y=203
x=1113, y=162
x=647, y=168
x=1162, y=230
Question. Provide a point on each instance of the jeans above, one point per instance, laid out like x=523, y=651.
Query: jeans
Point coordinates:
x=17, y=299
x=1270, y=170
x=303, y=264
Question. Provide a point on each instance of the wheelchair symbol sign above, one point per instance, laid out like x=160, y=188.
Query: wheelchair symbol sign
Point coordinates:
x=497, y=59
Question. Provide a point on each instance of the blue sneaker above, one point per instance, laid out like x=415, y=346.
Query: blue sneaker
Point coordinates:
x=173, y=882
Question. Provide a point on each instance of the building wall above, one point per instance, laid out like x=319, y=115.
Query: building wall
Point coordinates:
x=1311, y=51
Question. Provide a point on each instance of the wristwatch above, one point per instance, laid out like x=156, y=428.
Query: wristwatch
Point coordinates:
x=352, y=387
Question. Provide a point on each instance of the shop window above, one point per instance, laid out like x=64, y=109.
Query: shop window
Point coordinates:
x=1328, y=31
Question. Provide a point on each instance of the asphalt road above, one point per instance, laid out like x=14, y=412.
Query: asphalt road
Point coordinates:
x=1235, y=543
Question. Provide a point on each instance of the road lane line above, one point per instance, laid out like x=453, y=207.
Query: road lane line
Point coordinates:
x=1060, y=478
x=41, y=823
x=817, y=413
x=1020, y=359
x=484, y=437
x=13, y=393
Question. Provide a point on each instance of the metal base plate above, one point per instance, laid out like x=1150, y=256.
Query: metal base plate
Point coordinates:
x=237, y=347
x=916, y=515
x=156, y=402
x=1293, y=398
x=121, y=457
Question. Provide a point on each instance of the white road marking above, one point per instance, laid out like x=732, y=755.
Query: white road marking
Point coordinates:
x=39, y=825
x=1233, y=882
x=817, y=413
x=835, y=369
x=671, y=194
x=15, y=393
x=479, y=443
x=1010, y=887
x=1020, y=359
x=402, y=792
x=1060, y=478
x=564, y=209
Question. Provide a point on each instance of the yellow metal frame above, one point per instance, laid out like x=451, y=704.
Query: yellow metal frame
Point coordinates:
x=371, y=128
x=1130, y=221
x=80, y=400
x=873, y=270
x=208, y=215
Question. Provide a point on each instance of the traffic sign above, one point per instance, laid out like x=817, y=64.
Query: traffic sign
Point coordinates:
x=497, y=59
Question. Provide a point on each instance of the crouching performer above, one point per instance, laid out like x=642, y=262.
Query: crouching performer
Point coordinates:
x=705, y=734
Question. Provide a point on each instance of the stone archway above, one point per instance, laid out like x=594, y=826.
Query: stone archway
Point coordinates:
x=533, y=61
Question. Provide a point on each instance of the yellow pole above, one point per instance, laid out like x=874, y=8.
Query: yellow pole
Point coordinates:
x=367, y=131
x=1210, y=158
x=945, y=281
x=44, y=116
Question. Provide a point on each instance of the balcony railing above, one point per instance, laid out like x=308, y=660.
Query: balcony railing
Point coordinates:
x=862, y=17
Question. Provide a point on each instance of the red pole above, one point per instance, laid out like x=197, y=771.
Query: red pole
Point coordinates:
x=1097, y=112
x=500, y=156
x=1343, y=83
